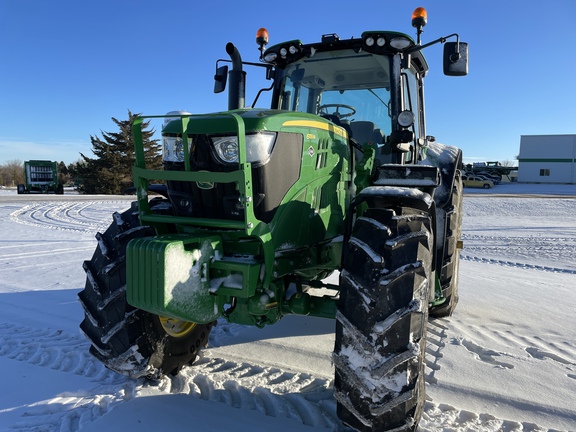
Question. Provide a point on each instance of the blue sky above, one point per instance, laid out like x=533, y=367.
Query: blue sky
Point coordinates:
x=68, y=66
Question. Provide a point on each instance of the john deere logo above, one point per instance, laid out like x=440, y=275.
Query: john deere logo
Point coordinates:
x=204, y=184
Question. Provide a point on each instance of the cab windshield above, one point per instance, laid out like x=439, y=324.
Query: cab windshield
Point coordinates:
x=355, y=88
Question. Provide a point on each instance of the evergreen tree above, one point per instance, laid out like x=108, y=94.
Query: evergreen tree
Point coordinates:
x=110, y=171
x=73, y=172
x=63, y=174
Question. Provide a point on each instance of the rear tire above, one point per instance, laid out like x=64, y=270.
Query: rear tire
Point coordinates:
x=382, y=320
x=128, y=340
x=450, y=259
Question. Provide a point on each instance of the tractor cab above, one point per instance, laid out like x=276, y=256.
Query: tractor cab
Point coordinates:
x=357, y=84
x=372, y=86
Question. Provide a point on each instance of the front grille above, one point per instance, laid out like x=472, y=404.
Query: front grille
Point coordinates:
x=201, y=200
x=270, y=182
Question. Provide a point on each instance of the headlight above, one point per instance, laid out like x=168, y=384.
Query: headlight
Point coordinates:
x=400, y=43
x=258, y=148
x=270, y=57
x=173, y=149
x=406, y=119
x=226, y=148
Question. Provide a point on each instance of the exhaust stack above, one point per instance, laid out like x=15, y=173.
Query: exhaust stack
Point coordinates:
x=237, y=79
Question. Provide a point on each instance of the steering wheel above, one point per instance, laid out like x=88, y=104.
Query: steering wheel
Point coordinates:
x=322, y=110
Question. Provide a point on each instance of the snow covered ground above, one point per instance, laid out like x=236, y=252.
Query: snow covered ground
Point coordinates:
x=505, y=361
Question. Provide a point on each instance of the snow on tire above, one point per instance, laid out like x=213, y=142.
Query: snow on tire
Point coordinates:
x=128, y=340
x=382, y=320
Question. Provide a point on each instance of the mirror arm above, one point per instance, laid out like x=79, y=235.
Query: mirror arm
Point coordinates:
x=434, y=42
x=268, y=66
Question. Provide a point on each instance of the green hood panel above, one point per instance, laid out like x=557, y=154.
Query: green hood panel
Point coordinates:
x=253, y=119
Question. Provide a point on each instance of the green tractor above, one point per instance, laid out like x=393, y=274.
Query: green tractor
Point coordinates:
x=260, y=206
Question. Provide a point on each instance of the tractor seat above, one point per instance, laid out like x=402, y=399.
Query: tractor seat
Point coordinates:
x=365, y=131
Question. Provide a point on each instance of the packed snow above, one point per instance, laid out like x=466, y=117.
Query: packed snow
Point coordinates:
x=505, y=361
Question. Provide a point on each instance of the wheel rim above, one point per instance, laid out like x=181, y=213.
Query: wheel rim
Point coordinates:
x=175, y=327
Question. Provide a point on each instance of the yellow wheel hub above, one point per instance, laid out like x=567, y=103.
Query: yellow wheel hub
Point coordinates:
x=175, y=327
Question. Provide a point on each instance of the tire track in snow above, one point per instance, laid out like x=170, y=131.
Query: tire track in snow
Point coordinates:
x=65, y=353
x=80, y=216
x=53, y=349
x=270, y=391
x=46, y=249
x=445, y=417
x=466, y=257
x=435, y=341
x=477, y=341
x=530, y=250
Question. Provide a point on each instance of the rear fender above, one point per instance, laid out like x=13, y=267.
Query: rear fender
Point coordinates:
x=448, y=160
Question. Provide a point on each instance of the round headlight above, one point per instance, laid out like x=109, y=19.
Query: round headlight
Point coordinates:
x=406, y=119
x=258, y=147
x=370, y=41
x=381, y=41
x=293, y=49
x=283, y=52
x=226, y=148
x=173, y=149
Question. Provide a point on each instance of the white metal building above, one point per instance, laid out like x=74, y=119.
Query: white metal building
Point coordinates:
x=547, y=159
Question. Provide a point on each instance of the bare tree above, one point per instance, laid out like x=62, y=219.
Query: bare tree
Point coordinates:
x=12, y=173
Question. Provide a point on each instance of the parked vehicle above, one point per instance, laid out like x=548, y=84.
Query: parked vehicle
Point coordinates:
x=477, y=181
x=486, y=176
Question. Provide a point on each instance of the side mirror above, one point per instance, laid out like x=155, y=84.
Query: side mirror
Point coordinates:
x=220, y=79
x=456, y=58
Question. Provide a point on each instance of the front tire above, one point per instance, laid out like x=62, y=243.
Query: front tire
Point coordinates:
x=128, y=340
x=382, y=320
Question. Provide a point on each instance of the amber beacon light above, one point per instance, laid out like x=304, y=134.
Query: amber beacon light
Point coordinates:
x=262, y=39
x=419, y=20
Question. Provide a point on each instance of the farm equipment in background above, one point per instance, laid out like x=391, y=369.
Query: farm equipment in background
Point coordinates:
x=260, y=206
x=495, y=171
x=40, y=176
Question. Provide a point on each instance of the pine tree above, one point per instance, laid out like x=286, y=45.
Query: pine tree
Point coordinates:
x=110, y=171
x=63, y=174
